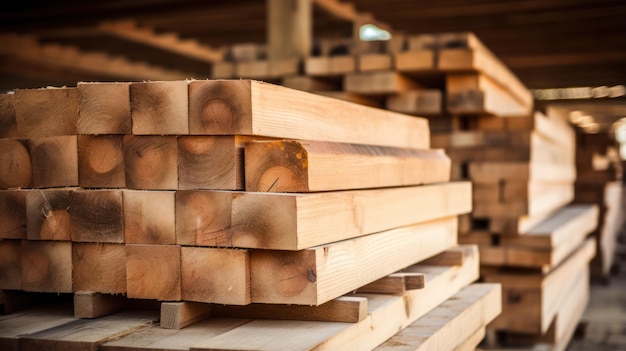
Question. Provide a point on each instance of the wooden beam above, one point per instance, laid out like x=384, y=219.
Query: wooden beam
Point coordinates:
x=88, y=304
x=17, y=169
x=54, y=161
x=47, y=266
x=11, y=265
x=289, y=28
x=149, y=217
x=101, y=161
x=178, y=315
x=159, y=108
x=153, y=272
x=151, y=162
x=96, y=216
x=47, y=215
x=13, y=214
x=395, y=283
x=104, y=108
x=59, y=106
x=293, y=166
x=99, y=268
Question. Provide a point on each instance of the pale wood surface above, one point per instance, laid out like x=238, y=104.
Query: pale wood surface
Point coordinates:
x=47, y=266
x=101, y=161
x=149, y=217
x=177, y=315
x=46, y=112
x=378, y=83
x=395, y=283
x=254, y=108
x=104, y=108
x=159, y=108
x=153, y=272
x=17, y=169
x=99, y=267
x=417, y=102
x=294, y=166
x=54, y=161
x=151, y=162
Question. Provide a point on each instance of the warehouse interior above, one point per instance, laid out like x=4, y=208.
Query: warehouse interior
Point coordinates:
x=543, y=93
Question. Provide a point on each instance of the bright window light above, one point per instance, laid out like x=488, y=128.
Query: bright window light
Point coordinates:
x=369, y=32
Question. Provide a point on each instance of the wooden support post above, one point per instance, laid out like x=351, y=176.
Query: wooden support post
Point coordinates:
x=47, y=266
x=47, y=214
x=15, y=164
x=290, y=28
x=149, y=217
x=96, y=216
x=178, y=315
x=88, y=304
x=159, y=108
x=46, y=112
x=292, y=166
x=104, y=108
x=153, y=272
x=101, y=161
x=151, y=162
x=54, y=161
x=99, y=268
x=13, y=214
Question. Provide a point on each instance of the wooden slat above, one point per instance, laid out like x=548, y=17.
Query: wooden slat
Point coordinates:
x=151, y=162
x=54, y=161
x=104, y=108
x=31, y=321
x=47, y=266
x=450, y=324
x=46, y=112
x=378, y=83
x=451, y=257
x=320, y=274
x=101, y=161
x=159, y=108
x=292, y=166
x=149, y=217
x=395, y=283
x=88, y=304
x=386, y=315
x=99, y=267
x=153, y=272
x=15, y=160
x=309, y=220
x=13, y=214
x=254, y=108
x=47, y=215
x=96, y=216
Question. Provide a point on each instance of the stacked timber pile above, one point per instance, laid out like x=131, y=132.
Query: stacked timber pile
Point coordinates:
x=599, y=182
x=521, y=163
x=293, y=221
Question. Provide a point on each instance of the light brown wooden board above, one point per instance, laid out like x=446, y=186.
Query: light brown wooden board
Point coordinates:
x=314, y=276
x=159, y=108
x=46, y=112
x=99, y=267
x=314, y=84
x=10, y=264
x=450, y=324
x=151, y=162
x=30, y=321
x=386, y=315
x=415, y=61
x=379, y=83
x=88, y=304
x=16, y=169
x=47, y=214
x=153, y=272
x=417, y=102
x=8, y=126
x=104, y=108
x=149, y=217
x=101, y=161
x=54, y=161
x=490, y=172
x=47, y=266
x=302, y=166
x=96, y=216
x=374, y=62
x=254, y=108
x=13, y=214
x=395, y=283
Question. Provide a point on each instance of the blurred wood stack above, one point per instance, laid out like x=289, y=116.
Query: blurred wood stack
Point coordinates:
x=599, y=181
x=521, y=162
x=238, y=200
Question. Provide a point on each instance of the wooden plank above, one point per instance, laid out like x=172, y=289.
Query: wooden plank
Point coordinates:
x=151, y=162
x=101, y=161
x=313, y=219
x=211, y=162
x=153, y=272
x=307, y=83
x=254, y=108
x=447, y=326
x=317, y=66
x=216, y=275
x=178, y=315
x=86, y=334
x=88, y=304
x=371, y=101
x=13, y=214
x=451, y=257
x=323, y=273
x=386, y=315
x=47, y=266
x=286, y=67
x=378, y=83
x=395, y=283
x=10, y=264
x=342, y=64
x=149, y=217
x=47, y=214
x=293, y=166
x=54, y=161
x=31, y=321
x=8, y=125
x=104, y=108
x=17, y=169
x=415, y=61
x=490, y=172
x=345, y=309
x=203, y=218
x=159, y=108
x=99, y=267
x=96, y=216
x=475, y=93
x=374, y=62
x=46, y=112
x=417, y=102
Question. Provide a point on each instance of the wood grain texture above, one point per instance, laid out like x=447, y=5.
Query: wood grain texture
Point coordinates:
x=16, y=169
x=178, y=315
x=104, y=108
x=159, y=108
x=210, y=162
x=31, y=321
x=48, y=215
x=46, y=112
x=216, y=275
x=149, y=217
x=99, y=267
x=8, y=125
x=151, y=162
x=47, y=266
x=317, y=275
x=395, y=283
x=254, y=108
x=10, y=265
x=54, y=161
x=153, y=272
x=490, y=172
x=96, y=216
x=89, y=304
x=293, y=166
x=203, y=218
x=101, y=161
x=13, y=214
x=299, y=221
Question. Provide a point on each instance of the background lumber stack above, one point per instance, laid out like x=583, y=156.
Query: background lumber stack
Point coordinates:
x=599, y=181
x=235, y=199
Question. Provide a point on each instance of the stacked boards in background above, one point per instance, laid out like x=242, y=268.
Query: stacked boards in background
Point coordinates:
x=230, y=199
x=599, y=181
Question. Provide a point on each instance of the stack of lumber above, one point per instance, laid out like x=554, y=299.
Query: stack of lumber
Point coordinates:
x=237, y=200
x=599, y=182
